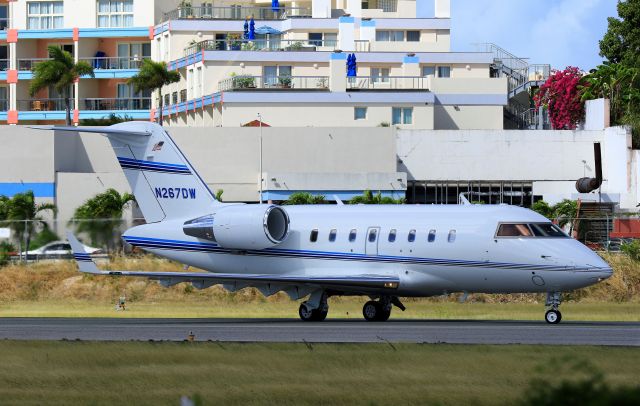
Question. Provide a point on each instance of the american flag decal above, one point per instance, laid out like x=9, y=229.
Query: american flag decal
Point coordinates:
x=158, y=146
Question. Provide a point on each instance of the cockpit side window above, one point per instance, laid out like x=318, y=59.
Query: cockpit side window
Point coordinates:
x=514, y=230
x=547, y=230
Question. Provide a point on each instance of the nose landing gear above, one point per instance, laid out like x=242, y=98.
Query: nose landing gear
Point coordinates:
x=553, y=315
x=314, y=309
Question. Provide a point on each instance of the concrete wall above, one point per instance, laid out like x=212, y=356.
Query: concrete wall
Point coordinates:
x=552, y=160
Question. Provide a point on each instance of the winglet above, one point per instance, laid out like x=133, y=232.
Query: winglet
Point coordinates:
x=85, y=263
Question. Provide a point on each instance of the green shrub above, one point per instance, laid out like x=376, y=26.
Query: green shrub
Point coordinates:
x=631, y=249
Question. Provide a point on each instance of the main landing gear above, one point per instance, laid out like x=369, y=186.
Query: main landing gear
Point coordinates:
x=380, y=310
x=314, y=309
x=553, y=315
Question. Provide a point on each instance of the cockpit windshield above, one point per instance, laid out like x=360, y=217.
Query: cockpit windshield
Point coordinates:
x=547, y=230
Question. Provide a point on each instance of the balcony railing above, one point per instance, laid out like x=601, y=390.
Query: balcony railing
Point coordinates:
x=388, y=82
x=4, y=64
x=271, y=44
x=42, y=104
x=134, y=103
x=127, y=62
x=242, y=82
x=29, y=64
x=237, y=13
x=4, y=105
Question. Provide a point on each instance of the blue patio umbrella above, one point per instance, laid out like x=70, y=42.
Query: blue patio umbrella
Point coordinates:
x=252, y=29
x=246, y=29
x=265, y=29
x=348, y=64
x=275, y=6
x=353, y=65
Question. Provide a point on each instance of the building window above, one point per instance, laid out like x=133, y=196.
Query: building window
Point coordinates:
x=380, y=75
x=402, y=115
x=412, y=236
x=352, y=235
x=359, y=113
x=198, y=82
x=115, y=13
x=413, y=36
x=390, y=36
x=130, y=55
x=327, y=39
x=444, y=71
x=43, y=15
x=314, y=235
x=428, y=70
x=332, y=235
x=315, y=38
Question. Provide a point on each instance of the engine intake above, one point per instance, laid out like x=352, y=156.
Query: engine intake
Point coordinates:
x=243, y=227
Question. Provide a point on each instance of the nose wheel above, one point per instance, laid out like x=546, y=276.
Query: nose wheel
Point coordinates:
x=308, y=314
x=553, y=315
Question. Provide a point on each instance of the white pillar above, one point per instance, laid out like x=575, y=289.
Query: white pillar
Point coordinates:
x=346, y=34
x=354, y=7
x=443, y=9
x=338, y=72
x=367, y=33
x=321, y=8
x=411, y=73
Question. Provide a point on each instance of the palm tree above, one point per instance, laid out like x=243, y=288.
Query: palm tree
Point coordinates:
x=60, y=72
x=100, y=215
x=22, y=214
x=369, y=198
x=299, y=198
x=152, y=76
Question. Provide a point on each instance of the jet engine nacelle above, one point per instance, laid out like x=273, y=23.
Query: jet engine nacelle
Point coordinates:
x=250, y=226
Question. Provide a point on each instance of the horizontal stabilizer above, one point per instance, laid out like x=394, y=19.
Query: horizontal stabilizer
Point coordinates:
x=85, y=263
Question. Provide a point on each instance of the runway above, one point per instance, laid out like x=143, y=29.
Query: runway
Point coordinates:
x=330, y=331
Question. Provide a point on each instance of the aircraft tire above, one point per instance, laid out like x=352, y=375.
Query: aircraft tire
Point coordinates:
x=311, y=315
x=553, y=316
x=373, y=311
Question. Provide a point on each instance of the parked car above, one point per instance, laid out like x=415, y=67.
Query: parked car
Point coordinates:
x=58, y=250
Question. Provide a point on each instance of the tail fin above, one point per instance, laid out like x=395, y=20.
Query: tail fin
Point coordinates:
x=85, y=263
x=163, y=181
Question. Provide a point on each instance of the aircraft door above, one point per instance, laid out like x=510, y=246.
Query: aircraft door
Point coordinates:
x=371, y=243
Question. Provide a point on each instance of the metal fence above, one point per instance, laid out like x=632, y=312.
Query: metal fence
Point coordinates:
x=237, y=12
x=242, y=82
x=273, y=43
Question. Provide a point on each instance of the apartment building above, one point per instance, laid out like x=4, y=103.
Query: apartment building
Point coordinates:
x=288, y=67
x=112, y=35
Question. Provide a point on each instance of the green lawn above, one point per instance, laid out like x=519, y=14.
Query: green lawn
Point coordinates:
x=340, y=308
x=135, y=373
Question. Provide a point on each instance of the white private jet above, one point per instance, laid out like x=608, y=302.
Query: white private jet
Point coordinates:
x=383, y=252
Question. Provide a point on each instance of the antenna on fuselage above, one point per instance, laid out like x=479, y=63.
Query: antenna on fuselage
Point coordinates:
x=463, y=200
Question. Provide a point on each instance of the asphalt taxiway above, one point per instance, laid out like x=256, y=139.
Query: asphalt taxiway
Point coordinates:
x=331, y=331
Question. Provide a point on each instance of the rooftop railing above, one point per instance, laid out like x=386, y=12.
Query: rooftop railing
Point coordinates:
x=133, y=103
x=283, y=82
x=387, y=82
x=237, y=13
x=126, y=62
x=271, y=44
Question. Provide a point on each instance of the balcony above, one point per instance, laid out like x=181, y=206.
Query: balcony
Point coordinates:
x=42, y=104
x=114, y=62
x=29, y=64
x=272, y=44
x=102, y=104
x=250, y=83
x=387, y=83
x=236, y=13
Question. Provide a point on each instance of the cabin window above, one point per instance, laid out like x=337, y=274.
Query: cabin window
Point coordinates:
x=332, y=235
x=412, y=236
x=513, y=230
x=373, y=234
x=352, y=235
x=432, y=236
x=314, y=235
x=452, y=236
x=547, y=230
x=392, y=235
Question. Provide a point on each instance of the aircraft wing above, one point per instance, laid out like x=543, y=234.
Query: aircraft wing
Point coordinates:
x=266, y=283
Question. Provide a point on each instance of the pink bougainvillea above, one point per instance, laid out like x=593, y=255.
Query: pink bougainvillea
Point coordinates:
x=561, y=96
